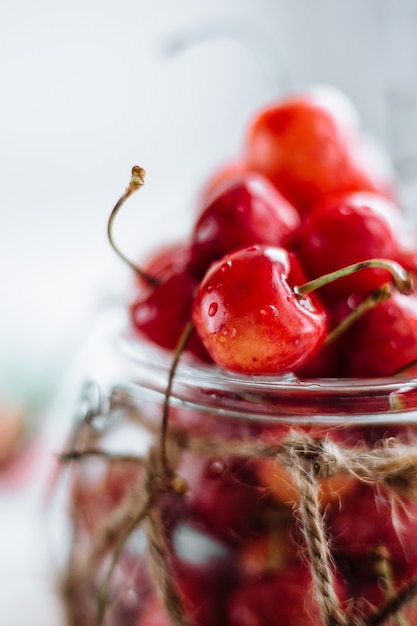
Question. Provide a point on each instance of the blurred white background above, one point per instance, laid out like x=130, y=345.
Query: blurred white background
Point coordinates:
x=88, y=90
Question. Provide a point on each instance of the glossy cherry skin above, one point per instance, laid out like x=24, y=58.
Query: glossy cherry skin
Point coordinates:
x=384, y=340
x=352, y=228
x=308, y=150
x=161, y=313
x=328, y=360
x=248, y=211
x=166, y=259
x=250, y=319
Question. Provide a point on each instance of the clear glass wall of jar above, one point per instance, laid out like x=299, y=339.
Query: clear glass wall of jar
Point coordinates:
x=273, y=502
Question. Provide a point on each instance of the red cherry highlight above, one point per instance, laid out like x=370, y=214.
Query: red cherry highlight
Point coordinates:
x=249, y=317
x=347, y=230
x=248, y=211
x=309, y=149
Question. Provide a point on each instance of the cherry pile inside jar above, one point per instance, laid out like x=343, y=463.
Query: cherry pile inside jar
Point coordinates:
x=299, y=267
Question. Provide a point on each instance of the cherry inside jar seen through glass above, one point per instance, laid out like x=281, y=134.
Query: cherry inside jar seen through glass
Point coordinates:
x=286, y=501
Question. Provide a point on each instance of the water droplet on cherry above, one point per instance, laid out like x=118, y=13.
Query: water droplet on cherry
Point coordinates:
x=145, y=313
x=217, y=467
x=213, y=308
x=207, y=231
x=225, y=266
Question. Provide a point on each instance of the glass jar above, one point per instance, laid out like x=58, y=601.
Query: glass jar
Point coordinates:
x=265, y=502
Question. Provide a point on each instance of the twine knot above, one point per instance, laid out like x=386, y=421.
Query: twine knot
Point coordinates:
x=322, y=457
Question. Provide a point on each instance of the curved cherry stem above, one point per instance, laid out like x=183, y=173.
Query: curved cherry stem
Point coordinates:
x=383, y=568
x=182, y=342
x=401, y=278
x=136, y=182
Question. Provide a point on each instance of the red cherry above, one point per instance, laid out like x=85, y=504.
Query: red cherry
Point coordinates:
x=249, y=317
x=363, y=524
x=347, y=230
x=165, y=259
x=226, y=498
x=384, y=340
x=324, y=364
x=327, y=361
x=249, y=211
x=161, y=312
x=204, y=588
x=307, y=149
x=285, y=597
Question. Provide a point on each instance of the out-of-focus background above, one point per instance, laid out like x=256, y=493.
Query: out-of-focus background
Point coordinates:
x=90, y=88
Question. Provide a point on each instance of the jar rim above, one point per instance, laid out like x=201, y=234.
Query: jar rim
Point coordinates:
x=143, y=353
x=279, y=398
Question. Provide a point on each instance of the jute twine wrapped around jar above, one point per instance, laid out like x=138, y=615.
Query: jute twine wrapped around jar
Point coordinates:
x=392, y=465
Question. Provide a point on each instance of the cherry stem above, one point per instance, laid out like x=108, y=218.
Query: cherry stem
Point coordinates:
x=136, y=182
x=77, y=455
x=384, y=570
x=182, y=342
x=376, y=297
x=401, y=277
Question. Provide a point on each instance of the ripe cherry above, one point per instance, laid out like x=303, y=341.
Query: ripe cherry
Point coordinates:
x=384, y=340
x=255, y=314
x=342, y=315
x=249, y=317
x=226, y=498
x=326, y=362
x=247, y=211
x=307, y=149
x=285, y=597
x=163, y=307
x=166, y=259
x=160, y=312
x=347, y=230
